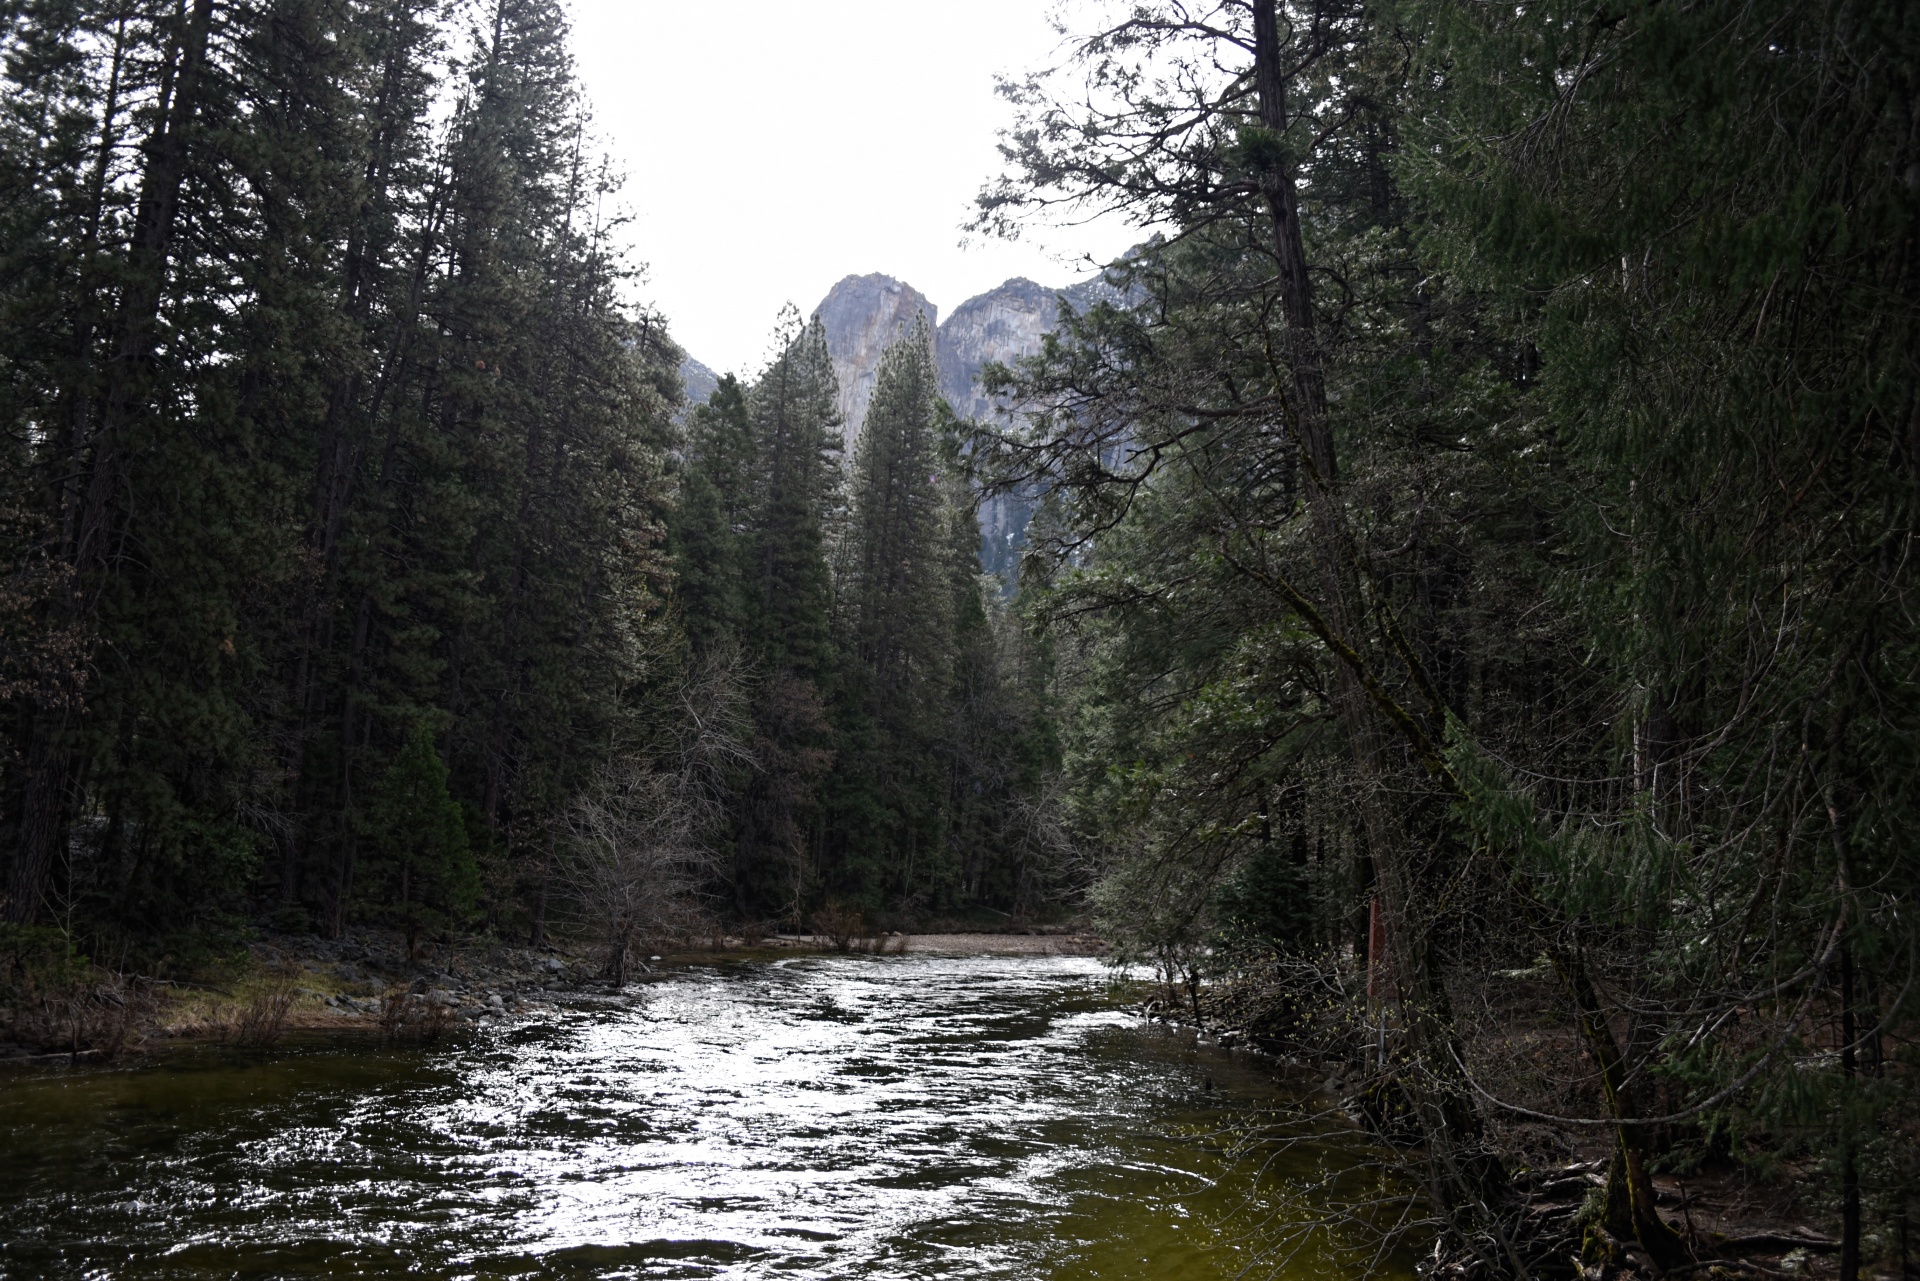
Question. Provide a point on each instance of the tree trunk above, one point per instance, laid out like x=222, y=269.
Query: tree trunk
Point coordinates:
x=1467, y=1178
x=1660, y=1241
x=537, y=937
x=1849, y=1157
x=48, y=783
x=43, y=819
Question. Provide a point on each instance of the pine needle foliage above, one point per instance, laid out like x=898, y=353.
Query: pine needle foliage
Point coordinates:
x=325, y=418
x=1500, y=502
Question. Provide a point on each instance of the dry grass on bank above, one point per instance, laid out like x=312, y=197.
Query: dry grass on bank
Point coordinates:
x=364, y=984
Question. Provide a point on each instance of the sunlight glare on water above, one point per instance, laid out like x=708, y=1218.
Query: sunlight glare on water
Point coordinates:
x=817, y=1117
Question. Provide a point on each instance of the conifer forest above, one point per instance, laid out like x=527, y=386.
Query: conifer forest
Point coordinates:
x=1464, y=637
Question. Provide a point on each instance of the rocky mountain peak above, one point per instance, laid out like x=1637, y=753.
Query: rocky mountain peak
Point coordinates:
x=1003, y=325
x=863, y=316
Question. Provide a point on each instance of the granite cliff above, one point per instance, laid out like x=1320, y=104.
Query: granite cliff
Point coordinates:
x=1001, y=325
x=864, y=315
x=698, y=380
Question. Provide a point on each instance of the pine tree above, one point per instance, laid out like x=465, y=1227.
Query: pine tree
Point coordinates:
x=998, y=747
x=390, y=237
x=894, y=605
x=797, y=433
x=718, y=501
x=420, y=874
x=796, y=485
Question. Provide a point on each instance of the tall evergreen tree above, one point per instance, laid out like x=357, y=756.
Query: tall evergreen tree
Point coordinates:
x=421, y=874
x=998, y=748
x=396, y=209
x=324, y=428
x=895, y=604
x=789, y=638
x=715, y=575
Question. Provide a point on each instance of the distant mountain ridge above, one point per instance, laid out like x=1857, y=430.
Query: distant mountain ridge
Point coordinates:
x=864, y=315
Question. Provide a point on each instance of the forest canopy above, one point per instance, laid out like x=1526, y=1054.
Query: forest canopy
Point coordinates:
x=347, y=490
x=1481, y=556
x=1470, y=596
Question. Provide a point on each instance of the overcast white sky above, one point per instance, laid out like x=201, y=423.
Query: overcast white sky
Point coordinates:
x=774, y=146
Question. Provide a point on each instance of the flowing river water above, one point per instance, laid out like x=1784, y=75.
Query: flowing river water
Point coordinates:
x=811, y=1117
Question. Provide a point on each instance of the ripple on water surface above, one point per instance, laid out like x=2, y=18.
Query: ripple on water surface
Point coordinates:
x=908, y=1117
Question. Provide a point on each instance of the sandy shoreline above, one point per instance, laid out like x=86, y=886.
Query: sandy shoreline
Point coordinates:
x=956, y=944
x=1006, y=944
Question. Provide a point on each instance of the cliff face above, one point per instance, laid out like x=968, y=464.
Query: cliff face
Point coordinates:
x=698, y=380
x=863, y=316
x=1002, y=325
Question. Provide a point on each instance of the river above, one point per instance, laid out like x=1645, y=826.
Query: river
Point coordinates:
x=810, y=1117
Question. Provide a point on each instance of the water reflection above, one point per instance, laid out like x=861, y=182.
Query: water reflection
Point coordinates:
x=910, y=1117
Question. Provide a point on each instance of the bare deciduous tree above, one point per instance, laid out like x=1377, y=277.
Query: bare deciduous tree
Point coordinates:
x=639, y=844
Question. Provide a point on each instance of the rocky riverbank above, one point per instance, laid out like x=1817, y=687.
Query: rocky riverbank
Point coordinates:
x=366, y=982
